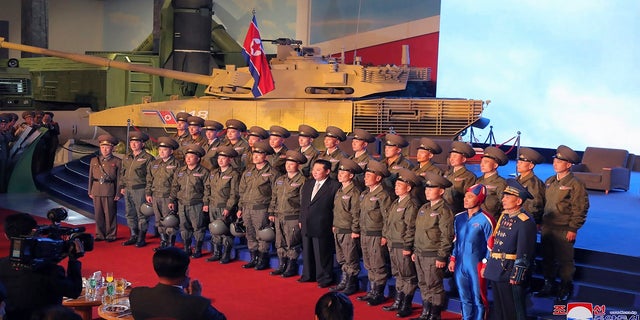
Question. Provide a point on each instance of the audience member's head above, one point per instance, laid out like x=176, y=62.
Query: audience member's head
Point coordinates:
x=56, y=312
x=19, y=224
x=334, y=306
x=171, y=263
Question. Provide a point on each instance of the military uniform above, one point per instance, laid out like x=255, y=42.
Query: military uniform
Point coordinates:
x=534, y=185
x=188, y=191
x=434, y=148
x=133, y=179
x=278, y=158
x=511, y=258
x=336, y=155
x=159, y=182
x=182, y=139
x=494, y=182
x=398, y=163
x=364, y=157
x=310, y=152
x=209, y=160
x=198, y=138
x=462, y=179
x=104, y=174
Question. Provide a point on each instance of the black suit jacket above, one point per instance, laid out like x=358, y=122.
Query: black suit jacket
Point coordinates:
x=316, y=215
x=170, y=302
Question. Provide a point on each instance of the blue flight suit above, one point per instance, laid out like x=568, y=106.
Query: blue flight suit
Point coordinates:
x=471, y=244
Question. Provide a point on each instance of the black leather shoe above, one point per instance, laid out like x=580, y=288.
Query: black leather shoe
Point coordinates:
x=111, y=240
x=301, y=280
x=133, y=240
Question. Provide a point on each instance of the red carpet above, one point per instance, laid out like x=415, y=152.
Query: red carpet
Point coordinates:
x=239, y=293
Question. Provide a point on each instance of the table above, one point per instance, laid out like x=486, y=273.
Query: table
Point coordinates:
x=125, y=315
x=82, y=306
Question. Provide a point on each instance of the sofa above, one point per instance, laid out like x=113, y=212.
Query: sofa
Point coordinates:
x=604, y=169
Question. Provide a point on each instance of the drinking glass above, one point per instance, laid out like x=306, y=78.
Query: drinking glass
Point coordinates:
x=121, y=285
x=109, y=277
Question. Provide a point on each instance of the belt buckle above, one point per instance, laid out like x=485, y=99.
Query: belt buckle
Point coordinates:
x=503, y=255
x=101, y=180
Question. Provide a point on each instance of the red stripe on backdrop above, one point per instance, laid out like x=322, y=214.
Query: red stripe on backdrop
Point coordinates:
x=239, y=293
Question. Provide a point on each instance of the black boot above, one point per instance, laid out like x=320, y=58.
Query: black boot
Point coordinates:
x=396, y=303
x=367, y=296
x=406, y=306
x=133, y=239
x=253, y=262
x=172, y=240
x=141, y=240
x=436, y=312
x=352, y=285
x=217, y=252
x=226, y=255
x=281, y=267
x=342, y=285
x=426, y=311
x=564, y=293
x=547, y=290
x=198, y=253
x=263, y=261
x=292, y=269
x=377, y=297
x=163, y=242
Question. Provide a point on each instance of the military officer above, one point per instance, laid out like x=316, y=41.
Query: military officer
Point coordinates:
x=332, y=138
x=223, y=201
x=277, y=135
x=255, y=197
x=399, y=234
x=426, y=150
x=284, y=211
x=188, y=190
x=235, y=129
x=393, y=158
x=565, y=211
x=158, y=187
x=375, y=200
x=527, y=160
x=432, y=246
x=359, y=143
x=104, y=174
x=27, y=116
x=346, y=227
x=133, y=180
x=306, y=135
x=512, y=254
x=182, y=134
x=211, y=130
x=255, y=134
x=492, y=158
x=195, y=131
x=460, y=177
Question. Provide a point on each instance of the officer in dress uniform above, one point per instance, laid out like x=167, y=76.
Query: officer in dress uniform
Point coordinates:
x=399, y=234
x=512, y=254
x=565, y=211
x=223, y=201
x=460, y=177
x=332, y=138
x=527, y=160
x=158, y=187
x=284, y=211
x=346, y=228
x=133, y=180
x=104, y=175
x=181, y=135
x=306, y=135
x=492, y=158
x=277, y=135
x=235, y=129
x=394, y=159
x=359, y=143
x=432, y=247
x=211, y=130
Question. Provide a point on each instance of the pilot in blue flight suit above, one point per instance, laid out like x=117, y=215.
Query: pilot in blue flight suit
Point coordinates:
x=471, y=247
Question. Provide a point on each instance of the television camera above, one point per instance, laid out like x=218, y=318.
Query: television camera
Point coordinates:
x=50, y=243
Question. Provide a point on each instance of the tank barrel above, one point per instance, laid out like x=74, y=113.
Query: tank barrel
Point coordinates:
x=104, y=62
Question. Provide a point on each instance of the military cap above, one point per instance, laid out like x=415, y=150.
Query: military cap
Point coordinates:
x=496, y=154
x=168, y=143
x=430, y=145
x=396, y=141
x=378, y=168
x=530, y=155
x=307, y=131
x=567, y=154
x=195, y=121
x=434, y=180
x=279, y=131
x=364, y=135
x=182, y=116
x=106, y=139
x=194, y=149
x=347, y=164
x=410, y=177
x=138, y=136
x=236, y=124
x=258, y=132
x=227, y=151
x=212, y=125
x=295, y=156
x=262, y=147
x=463, y=149
x=335, y=132
x=28, y=114
x=516, y=189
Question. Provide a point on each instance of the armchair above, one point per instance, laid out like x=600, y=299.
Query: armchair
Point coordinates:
x=604, y=169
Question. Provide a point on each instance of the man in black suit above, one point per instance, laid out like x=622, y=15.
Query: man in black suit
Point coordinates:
x=175, y=296
x=316, y=218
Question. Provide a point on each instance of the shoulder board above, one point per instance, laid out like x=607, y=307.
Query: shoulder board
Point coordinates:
x=523, y=216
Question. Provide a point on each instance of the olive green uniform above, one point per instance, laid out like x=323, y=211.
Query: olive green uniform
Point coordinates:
x=210, y=159
x=334, y=158
x=394, y=167
x=373, y=212
x=133, y=178
x=346, y=220
x=223, y=196
x=183, y=140
x=427, y=167
x=399, y=230
x=495, y=185
x=312, y=154
x=255, y=197
x=104, y=174
x=277, y=160
x=243, y=149
x=462, y=180
x=188, y=190
x=285, y=206
x=362, y=160
x=159, y=182
x=536, y=187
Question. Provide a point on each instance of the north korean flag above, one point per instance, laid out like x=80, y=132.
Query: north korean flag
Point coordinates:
x=253, y=53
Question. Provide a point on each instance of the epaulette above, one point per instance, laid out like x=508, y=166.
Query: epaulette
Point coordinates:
x=523, y=216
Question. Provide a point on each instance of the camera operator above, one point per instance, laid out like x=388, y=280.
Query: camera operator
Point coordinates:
x=33, y=289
